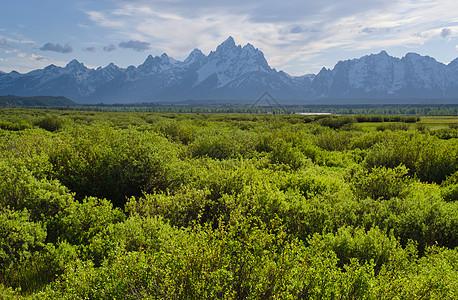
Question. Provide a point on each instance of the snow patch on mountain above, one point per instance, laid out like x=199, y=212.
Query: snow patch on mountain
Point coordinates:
x=236, y=72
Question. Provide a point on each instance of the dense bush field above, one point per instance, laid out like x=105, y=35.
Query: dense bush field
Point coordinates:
x=105, y=205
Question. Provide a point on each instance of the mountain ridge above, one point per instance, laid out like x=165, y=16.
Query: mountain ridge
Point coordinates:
x=233, y=72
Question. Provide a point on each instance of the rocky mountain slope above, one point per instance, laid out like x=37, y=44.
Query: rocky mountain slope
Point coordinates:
x=234, y=72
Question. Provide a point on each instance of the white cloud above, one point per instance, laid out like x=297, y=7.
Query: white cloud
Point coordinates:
x=297, y=26
x=38, y=57
x=103, y=20
x=84, y=26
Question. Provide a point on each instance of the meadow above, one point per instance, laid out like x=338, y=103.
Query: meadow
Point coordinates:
x=130, y=205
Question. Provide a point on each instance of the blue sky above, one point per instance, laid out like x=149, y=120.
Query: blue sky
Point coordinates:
x=296, y=36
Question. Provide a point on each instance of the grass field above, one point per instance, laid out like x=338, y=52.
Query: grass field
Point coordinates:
x=432, y=123
x=437, y=122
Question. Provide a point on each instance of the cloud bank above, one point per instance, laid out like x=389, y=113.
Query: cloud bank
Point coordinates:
x=286, y=31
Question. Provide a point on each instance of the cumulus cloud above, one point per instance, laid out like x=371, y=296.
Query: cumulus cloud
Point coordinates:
x=446, y=32
x=38, y=57
x=286, y=31
x=90, y=49
x=109, y=48
x=57, y=48
x=135, y=45
x=103, y=20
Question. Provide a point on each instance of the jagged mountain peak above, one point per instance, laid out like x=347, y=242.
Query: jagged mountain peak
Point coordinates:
x=195, y=55
x=411, y=55
x=112, y=66
x=52, y=67
x=415, y=57
x=228, y=43
x=249, y=47
x=75, y=64
x=148, y=59
x=236, y=72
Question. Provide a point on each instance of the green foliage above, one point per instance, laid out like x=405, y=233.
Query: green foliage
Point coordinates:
x=373, y=246
x=20, y=240
x=83, y=221
x=380, y=182
x=107, y=163
x=7, y=125
x=223, y=144
x=226, y=206
x=426, y=157
x=392, y=126
x=285, y=153
x=337, y=122
x=50, y=123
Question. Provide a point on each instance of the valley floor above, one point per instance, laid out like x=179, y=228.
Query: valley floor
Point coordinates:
x=128, y=205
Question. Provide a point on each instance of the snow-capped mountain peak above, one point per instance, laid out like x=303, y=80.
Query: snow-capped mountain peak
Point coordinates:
x=74, y=64
x=236, y=72
x=195, y=56
x=228, y=44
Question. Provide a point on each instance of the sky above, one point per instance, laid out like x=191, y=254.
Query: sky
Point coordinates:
x=296, y=36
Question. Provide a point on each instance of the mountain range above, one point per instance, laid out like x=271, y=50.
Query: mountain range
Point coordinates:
x=233, y=72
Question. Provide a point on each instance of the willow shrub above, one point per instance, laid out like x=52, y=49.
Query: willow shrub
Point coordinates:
x=380, y=182
x=426, y=157
x=109, y=163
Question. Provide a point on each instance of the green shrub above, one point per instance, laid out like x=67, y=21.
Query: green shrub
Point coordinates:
x=392, y=126
x=380, y=182
x=14, y=126
x=223, y=144
x=373, y=246
x=284, y=153
x=426, y=157
x=20, y=242
x=107, y=163
x=82, y=221
x=334, y=141
x=337, y=122
x=50, y=123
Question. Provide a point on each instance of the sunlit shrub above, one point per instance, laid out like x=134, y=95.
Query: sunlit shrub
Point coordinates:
x=337, y=122
x=107, y=163
x=392, y=126
x=380, y=182
x=223, y=144
x=14, y=126
x=426, y=157
x=373, y=246
x=50, y=123
x=20, y=241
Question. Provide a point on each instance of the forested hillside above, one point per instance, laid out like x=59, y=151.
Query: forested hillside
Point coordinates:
x=15, y=101
x=105, y=205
